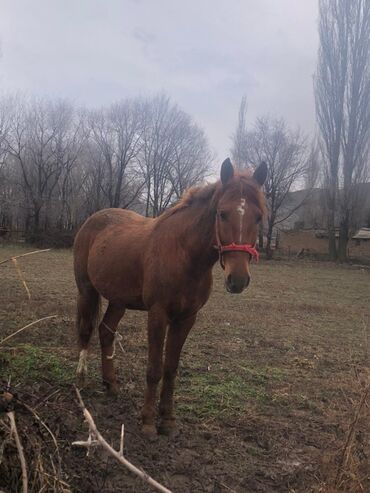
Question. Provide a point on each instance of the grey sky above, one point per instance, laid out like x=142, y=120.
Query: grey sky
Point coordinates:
x=204, y=53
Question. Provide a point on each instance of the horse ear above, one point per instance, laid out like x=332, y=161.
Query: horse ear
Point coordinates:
x=227, y=171
x=260, y=174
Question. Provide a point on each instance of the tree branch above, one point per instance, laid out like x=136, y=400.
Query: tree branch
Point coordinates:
x=95, y=438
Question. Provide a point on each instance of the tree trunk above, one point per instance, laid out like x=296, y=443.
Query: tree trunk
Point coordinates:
x=118, y=188
x=36, y=219
x=269, y=252
x=343, y=239
x=333, y=254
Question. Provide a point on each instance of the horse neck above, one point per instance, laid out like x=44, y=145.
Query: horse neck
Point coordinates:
x=196, y=232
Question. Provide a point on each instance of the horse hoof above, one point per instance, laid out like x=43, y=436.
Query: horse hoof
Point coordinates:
x=168, y=428
x=149, y=431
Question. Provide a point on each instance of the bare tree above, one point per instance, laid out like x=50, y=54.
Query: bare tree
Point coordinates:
x=39, y=145
x=59, y=164
x=174, y=154
x=5, y=117
x=239, y=145
x=342, y=91
x=116, y=132
x=284, y=152
x=356, y=119
x=127, y=128
x=6, y=104
x=70, y=141
x=191, y=157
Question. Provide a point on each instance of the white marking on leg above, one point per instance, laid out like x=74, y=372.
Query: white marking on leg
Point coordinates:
x=82, y=363
x=241, y=211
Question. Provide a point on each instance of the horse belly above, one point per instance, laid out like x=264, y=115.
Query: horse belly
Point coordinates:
x=115, y=271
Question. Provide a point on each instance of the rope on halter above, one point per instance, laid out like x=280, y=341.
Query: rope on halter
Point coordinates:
x=117, y=338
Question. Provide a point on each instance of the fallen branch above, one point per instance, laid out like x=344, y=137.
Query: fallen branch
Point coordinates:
x=21, y=277
x=95, y=438
x=14, y=432
x=17, y=268
x=26, y=327
x=350, y=436
x=42, y=423
x=24, y=255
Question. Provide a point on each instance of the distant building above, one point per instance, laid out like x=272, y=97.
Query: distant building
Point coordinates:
x=309, y=207
x=315, y=242
x=305, y=228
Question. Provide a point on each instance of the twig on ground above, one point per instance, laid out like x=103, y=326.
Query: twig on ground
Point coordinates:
x=26, y=327
x=122, y=440
x=17, y=268
x=24, y=255
x=225, y=486
x=47, y=398
x=350, y=436
x=37, y=417
x=22, y=459
x=21, y=277
x=95, y=438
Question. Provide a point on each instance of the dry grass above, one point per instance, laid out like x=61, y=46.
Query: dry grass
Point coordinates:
x=270, y=381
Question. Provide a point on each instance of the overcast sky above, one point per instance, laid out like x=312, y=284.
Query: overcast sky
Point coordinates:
x=204, y=53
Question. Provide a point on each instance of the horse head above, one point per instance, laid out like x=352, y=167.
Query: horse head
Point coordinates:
x=240, y=209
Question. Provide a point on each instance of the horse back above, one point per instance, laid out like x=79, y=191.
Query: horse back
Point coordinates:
x=108, y=253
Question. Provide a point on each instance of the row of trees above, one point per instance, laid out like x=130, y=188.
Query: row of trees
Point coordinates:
x=342, y=91
x=338, y=160
x=59, y=163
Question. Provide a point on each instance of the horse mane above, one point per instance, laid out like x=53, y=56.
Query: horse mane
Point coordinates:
x=209, y=194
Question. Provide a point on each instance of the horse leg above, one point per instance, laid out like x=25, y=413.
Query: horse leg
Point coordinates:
x=176, y=337
x=157, y=323
x=87, y=313
x=107, y=331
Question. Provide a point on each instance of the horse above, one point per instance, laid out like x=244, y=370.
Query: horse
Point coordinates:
x=163, y=265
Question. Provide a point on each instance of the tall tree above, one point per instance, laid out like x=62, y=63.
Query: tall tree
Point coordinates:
x=342, y=92
x=239, y=144
x=285, y=154
x=174, y=155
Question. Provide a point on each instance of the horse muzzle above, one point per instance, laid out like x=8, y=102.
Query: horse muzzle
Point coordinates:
x=236, y=284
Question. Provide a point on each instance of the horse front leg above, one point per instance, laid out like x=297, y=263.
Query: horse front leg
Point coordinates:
x=157, y=324
x=176, y=337
x=107, y=331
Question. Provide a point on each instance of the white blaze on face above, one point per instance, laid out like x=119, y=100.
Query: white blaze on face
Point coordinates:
x=241, y=211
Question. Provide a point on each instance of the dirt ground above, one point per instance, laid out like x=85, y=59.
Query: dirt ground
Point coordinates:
x=268, y=390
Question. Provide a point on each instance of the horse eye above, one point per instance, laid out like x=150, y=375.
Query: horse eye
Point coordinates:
x=223, y=215
x=258, y=218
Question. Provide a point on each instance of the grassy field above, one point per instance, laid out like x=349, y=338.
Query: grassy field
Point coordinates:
x=269, y=385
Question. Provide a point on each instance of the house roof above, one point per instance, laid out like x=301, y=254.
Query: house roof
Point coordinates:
x=362, y=234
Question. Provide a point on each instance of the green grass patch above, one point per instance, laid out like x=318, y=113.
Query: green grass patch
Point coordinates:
x=30, y=363
x=260, y=376
x=207, y=394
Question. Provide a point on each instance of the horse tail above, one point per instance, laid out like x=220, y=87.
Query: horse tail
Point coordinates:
x=88, y=315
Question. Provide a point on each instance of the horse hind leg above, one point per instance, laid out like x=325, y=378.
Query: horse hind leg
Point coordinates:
x=88, y=309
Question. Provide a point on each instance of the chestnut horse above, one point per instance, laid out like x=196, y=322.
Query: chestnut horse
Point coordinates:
x=164, y=266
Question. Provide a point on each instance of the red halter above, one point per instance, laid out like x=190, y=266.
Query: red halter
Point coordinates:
x=234, y=247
